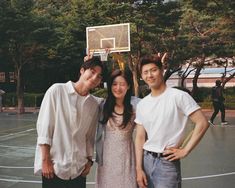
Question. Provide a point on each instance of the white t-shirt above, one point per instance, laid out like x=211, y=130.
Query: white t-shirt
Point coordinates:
x=164, y=118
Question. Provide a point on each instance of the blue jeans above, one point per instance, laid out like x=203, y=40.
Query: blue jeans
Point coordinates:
x=162, y=173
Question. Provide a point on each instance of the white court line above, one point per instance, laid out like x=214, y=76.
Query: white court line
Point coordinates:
x=209, y=176
x=12, y=134
x=18, y=147
x=17, y=119
x=16, y=167
x=92, y=183
x=20, y=181
x=31, y=181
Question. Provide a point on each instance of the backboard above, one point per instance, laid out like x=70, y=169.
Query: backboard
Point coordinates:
x=115, y=37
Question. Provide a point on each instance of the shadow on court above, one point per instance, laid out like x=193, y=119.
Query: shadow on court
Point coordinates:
x=210, y=165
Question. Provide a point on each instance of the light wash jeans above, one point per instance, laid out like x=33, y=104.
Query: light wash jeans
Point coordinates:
x=162, y=173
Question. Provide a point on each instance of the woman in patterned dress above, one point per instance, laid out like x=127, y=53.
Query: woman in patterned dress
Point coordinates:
x=114, y=143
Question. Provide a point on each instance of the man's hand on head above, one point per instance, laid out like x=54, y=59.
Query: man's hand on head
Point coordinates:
x=89, y=56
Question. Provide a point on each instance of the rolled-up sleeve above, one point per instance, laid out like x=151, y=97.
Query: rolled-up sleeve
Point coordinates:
x=46, y=118
x=187, y=104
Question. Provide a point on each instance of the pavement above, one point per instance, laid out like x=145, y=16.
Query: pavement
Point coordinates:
x=210, y=165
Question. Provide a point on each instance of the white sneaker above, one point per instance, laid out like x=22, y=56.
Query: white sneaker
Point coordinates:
x=211, y=123
x=224, y=123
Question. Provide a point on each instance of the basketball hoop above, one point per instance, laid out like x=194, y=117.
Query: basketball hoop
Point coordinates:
x=104, y=56
x=114, y=37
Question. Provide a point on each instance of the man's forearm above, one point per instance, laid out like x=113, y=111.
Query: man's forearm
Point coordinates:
x=201, y=126
x=45, y=149
x=196, y=137
x=139, y=143
x=47, y=164
x=139, y=155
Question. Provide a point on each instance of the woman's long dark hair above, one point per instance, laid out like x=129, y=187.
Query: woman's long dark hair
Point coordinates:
x=110, y=102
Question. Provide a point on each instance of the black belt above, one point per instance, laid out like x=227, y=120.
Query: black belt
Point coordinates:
x=156, y=155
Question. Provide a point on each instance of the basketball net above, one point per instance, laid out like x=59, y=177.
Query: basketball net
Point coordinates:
x=104, y=56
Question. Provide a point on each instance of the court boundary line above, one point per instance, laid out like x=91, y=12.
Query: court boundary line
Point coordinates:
x=32, y=181
x=12, y=134
x=17, y=128
x=18, y=147
x=209, y=176
x=16, y=167
x=92, y=183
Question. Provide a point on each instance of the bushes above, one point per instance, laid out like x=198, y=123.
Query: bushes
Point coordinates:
x=30, y=99
x=202, y=94
x=9, y=99
x=35, y=99
x=100, y=92
x=206, y=102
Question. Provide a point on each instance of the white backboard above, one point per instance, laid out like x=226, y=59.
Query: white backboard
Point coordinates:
x=115, y=37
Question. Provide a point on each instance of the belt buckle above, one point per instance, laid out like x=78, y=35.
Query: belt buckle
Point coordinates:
x=156, y=155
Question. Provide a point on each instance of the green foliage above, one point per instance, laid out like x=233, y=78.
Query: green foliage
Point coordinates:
x=35, y=99
x=9, y=99
x=47, y=39
x=30, y=99
x=206, y=102
x=208, y=27
x=102, y=93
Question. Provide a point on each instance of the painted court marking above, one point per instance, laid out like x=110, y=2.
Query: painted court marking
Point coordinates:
x=92, y=183
x=32, y=181
x=17, y=128
x=16, y=167
x=21, y=179
x=209, y=176
x=17, y=147
x=12, y=134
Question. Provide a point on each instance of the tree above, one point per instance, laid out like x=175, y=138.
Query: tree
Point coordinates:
x=201, y=26
x=227, y=75
x=146, y=18
x=23, y=36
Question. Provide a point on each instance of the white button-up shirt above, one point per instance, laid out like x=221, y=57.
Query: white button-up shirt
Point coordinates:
x=67, y=122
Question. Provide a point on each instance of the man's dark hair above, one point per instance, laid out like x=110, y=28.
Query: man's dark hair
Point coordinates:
x=94, y=61
x=150, y=59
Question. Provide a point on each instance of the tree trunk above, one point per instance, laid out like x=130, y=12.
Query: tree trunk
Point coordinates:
x=20, y=92
x=169, y=72
x=195, y=79
x=135, y=80
x=196, y=76
x=134, y=69
x=182, y=82
x=227, y=79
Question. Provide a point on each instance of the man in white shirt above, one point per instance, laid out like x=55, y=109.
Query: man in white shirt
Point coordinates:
x=66, y=128
x=161, y=118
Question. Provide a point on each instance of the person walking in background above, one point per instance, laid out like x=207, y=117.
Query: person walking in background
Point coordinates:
x=218, y=103
x=1, y=94
x=66, y=129
x=114, y=142
x=161, y=118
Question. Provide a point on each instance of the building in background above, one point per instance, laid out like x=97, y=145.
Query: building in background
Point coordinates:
x=206, y=78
